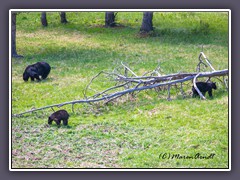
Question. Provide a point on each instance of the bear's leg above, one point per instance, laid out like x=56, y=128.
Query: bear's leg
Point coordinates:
x=37, y=77
x=194, y=92
x=58, y=122
x=65, y=122
x=210, y=93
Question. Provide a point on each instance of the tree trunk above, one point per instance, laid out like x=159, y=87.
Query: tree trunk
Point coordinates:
x=44, y=19
x=147, y=24
x=63, y=17
x=110, y=19
x=13, y=34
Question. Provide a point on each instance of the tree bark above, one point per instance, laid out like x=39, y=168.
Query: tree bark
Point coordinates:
x=147, y=24
x=63, y=18
x=13, y=34
x=110, y=19
x=44, y=19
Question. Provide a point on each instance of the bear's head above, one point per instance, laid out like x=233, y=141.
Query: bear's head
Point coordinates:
x=50, y=119
x=213, y=85
x=25, y=76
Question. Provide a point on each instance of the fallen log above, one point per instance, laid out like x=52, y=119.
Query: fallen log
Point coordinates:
x=144, y=83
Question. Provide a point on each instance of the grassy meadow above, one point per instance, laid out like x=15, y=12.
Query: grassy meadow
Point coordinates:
x=130, y=132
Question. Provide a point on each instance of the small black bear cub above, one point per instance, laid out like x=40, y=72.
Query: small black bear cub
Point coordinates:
x=204, y=87
x=58, y=116
x=34, y=71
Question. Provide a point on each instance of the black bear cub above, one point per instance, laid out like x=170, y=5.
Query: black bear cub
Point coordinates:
x=204, y=87
x=34, y=71
x=58, y=116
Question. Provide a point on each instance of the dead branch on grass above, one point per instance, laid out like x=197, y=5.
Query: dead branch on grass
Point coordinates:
x=134, y=84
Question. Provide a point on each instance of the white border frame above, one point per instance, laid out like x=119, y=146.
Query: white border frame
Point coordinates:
x=118, y=10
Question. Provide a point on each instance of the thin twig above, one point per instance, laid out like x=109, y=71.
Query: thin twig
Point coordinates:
x=182, y=92
x=169, y=99
x=109, y=100
x=129, y=69
x=85, y=90
x=111, y=88
x=206, y=59
x=102, y=72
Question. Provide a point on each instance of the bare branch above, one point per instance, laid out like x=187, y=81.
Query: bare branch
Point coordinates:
x=109, y=100
x=137, y=84
x=225, y=82
x=169, y=99
x=129, y=69
x=195, y=86
x=169, y=80
x=85, y=90
x=208, y=62
x=121, y=85
x=201, y=62
x=182, y=92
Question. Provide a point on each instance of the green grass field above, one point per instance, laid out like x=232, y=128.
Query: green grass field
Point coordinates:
x=129, y=133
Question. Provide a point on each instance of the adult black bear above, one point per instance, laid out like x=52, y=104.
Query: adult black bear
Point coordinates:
x=204, y=87
x=34, y=71
x=58, y=116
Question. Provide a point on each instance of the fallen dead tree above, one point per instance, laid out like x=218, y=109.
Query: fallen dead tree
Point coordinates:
x=132, y=83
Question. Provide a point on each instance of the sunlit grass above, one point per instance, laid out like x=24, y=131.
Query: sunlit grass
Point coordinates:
x=131, y=132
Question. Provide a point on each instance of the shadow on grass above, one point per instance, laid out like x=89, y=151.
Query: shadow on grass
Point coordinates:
x=197, y=35
x=49, y=79
x=59, y=126
x=220, y=93
x=190, y=36
x=71, y=56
